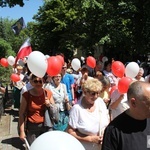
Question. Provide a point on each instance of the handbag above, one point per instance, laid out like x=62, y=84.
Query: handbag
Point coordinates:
x=63, y=121
x=51, y=115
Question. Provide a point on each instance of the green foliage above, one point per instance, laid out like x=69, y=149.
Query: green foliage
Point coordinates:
x=11, y=3
x=120, y=26
x=5, y=51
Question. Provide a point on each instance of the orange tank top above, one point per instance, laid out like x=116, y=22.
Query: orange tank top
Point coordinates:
x=36, y=106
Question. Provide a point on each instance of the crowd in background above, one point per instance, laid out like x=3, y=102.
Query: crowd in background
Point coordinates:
x=84, y=97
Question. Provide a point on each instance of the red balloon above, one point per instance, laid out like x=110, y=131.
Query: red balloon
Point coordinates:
x=113, y=89
x=118, y=69
x=4, y=62
x=61, y=59
x=54, y=66
x=123, y=84
x=15, y=77
x=91, y=62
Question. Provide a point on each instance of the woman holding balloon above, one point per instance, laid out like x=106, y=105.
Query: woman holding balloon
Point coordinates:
x=32, y=110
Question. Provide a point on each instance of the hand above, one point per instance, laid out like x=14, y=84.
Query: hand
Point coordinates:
x=121, y=96
x=106, y=100
x=95, y=139
x=22, y=135
x=101, y=140
x=47, y=102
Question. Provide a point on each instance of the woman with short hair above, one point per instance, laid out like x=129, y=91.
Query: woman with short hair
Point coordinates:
x=89, y=117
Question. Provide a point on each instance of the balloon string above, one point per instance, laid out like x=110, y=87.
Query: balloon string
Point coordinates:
x=44, y=90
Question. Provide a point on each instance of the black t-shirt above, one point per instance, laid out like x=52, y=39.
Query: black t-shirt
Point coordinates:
x=126, y=133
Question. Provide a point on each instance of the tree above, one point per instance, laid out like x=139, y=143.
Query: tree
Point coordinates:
x=11, y=3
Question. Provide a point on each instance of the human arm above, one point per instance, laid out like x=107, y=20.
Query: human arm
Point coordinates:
x=83, y=137
x=22, y=117
x=48, y=98
x=109, y=140
x=2, y=89
x=72, y=91
x=115, y=104
x=66, y=99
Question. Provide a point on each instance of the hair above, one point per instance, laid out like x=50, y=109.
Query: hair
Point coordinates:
x=141, y=70
x=99, y=73
x=84, y=69
x=107, y=63
x=136, y=90
x=33, y=76
x=105, y=81
x=92, y=85
x=56, y=75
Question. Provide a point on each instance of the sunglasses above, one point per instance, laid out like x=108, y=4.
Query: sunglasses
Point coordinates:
x=64, y=67
x=37, y=81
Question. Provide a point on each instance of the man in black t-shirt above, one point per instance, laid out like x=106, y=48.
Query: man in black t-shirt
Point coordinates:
x=131, y=129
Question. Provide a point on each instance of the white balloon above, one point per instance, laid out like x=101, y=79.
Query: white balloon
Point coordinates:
x=11, y=60
x=82, y=58
x=47, y=56
x=104, y=59
x=76, y=64
x=56, y=140
x=37, y=63
x=132, y=69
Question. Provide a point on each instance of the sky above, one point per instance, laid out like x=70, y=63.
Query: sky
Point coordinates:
x=29, y=9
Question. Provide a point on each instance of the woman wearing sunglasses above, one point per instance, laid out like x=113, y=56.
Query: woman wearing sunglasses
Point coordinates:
x=89, y=117
x=32, y=109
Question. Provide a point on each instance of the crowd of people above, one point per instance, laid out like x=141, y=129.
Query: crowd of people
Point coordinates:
x=88, y=110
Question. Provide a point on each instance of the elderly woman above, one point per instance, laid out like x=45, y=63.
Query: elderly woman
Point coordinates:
x=89, y=117
x=139, y=76
x=32, y=110
x=60, y=97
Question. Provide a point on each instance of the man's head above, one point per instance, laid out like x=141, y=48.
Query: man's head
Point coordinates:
x=64, y=69
x=139, y=99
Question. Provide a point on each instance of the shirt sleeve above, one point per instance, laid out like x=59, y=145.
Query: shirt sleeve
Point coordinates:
x=109, y=139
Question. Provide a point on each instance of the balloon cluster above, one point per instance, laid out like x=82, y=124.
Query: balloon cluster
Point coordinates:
x=39, y=64
x=125, y=74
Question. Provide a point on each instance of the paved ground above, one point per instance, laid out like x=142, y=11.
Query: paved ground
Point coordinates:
x=9, y=139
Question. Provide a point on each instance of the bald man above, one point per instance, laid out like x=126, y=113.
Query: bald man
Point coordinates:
x=131, y=129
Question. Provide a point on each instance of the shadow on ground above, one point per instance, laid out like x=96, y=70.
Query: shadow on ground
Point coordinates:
x=15, y=142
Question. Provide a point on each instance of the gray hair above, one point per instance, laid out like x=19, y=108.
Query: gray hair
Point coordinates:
x=105, y=81
x=141, y=70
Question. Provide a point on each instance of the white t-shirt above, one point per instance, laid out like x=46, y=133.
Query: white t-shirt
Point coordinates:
x=89, y=123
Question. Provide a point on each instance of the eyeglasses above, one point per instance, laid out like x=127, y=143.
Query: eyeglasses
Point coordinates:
x=37, y=81
x=93, y=93
x=57, y=76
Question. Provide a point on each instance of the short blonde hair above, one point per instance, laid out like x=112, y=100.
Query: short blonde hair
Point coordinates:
x=93, y=85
